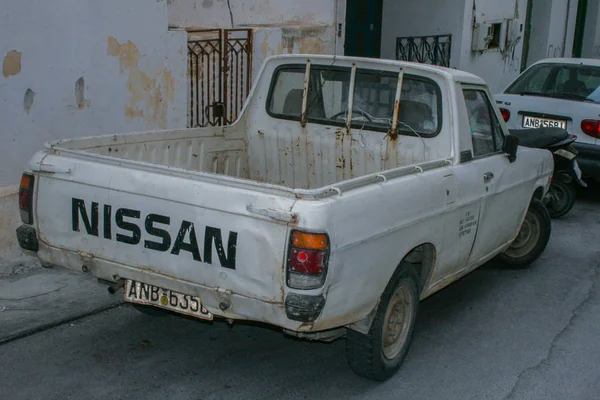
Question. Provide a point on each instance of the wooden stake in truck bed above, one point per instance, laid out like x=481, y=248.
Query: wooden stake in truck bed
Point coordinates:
x=347, y=191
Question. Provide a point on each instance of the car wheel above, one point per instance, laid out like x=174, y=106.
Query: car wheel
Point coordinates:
x=532, y=239
x=379, y=354
x=560, y=198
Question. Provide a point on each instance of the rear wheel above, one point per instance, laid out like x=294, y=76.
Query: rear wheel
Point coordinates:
x=379, y=354
x=560, y=198
x=532, y=239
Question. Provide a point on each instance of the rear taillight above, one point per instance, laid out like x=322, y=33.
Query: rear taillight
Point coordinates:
x=26, y=198
x=505, y=114
x=307, y=260
x=591, y=127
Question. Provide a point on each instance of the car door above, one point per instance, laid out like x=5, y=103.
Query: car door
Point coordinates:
x=504, y=191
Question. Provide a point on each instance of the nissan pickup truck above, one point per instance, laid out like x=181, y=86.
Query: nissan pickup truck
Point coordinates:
x=347, y=191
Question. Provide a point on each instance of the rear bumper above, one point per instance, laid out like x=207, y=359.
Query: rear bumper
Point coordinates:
x=589, y=160
x=297, y=313
x=27, y=237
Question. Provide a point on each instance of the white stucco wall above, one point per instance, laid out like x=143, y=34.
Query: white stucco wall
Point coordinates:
x=591, y=37
x=553, y=28
x=279, y=26
x=421, y=18
x=292, y=40
x=216, y=13
x=497, y=67
x=82, y=67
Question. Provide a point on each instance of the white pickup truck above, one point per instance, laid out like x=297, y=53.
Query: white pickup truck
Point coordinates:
x=347, y=191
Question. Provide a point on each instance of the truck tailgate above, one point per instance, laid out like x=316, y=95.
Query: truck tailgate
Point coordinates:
x=165, y=223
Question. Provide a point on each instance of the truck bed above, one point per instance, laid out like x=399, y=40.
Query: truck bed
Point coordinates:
x=321, y=158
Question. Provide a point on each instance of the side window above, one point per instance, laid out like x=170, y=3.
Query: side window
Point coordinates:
x=486, y=132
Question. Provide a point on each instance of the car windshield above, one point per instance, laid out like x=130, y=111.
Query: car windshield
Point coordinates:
x=564, y=81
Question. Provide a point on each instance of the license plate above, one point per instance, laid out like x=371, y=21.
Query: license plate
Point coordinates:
x=534, y=122
x=143, y=293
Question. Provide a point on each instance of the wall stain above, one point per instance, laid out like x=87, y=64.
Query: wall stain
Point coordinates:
x=311, y=45
x=207, y=3
x=28, y=100
x=154, y=91
x=80, y=99
x=264, y=46
x=11, y=64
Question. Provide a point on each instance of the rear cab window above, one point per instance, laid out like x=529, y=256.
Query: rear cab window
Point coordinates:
x=328, y=100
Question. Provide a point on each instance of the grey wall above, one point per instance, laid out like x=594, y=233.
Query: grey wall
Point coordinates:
x=76, y=68
x=421, y=18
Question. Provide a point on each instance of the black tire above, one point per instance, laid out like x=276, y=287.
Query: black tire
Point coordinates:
x=150, y=310
x=560, y=198
x=366, y=354
x=532, y=239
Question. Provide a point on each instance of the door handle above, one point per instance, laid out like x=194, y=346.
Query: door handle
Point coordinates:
x=488, y=176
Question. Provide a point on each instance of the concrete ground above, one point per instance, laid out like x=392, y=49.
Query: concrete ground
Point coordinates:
x=496, y=334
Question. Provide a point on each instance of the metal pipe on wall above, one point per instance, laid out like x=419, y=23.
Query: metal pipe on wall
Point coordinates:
x=564, y=43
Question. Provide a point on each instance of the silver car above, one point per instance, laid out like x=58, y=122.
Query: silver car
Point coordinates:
x=563, y=93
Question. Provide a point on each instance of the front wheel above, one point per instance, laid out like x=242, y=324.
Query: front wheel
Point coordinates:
x=532, y=239
x=378, y=354
x=560, y=198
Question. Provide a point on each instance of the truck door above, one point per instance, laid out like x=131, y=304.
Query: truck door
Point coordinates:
x=460, y=223
x=504, y=193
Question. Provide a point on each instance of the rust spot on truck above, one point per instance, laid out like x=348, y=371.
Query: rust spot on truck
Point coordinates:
x=294, y=220
x=306, y=326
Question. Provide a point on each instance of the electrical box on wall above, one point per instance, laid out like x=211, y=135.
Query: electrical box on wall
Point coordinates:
x=514, y=32
x=483, y=34
x=489, y=36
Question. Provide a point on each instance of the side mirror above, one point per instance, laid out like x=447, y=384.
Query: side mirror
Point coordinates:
x=511, y=144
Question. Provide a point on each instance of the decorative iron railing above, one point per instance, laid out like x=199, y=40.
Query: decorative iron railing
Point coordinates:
x=220, y=74
x=434, y=50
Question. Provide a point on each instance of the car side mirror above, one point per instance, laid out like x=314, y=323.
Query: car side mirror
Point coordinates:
x=511, y=144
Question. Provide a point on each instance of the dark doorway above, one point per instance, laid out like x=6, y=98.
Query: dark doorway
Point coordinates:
x=579, y=28
x=363, y=28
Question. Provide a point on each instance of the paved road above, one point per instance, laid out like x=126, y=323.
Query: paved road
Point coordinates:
x=496, y=334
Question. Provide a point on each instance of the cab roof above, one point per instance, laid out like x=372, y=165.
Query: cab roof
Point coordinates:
x=448, y=73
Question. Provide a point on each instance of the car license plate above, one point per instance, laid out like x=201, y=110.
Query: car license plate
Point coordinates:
x=143, y=293
x=534, y=122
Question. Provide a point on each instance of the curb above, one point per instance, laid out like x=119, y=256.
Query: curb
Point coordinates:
x=29, y=332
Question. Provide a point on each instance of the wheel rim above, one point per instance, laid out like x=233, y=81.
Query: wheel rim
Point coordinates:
x=558, y=198
x=397, y=322
x=527, y=238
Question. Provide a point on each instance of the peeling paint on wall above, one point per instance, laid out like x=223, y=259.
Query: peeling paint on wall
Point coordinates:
x=28, y=100
x=155, y=91
x=311, y=45
x=264, y=46
x=11, y=64
x=80, y=99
